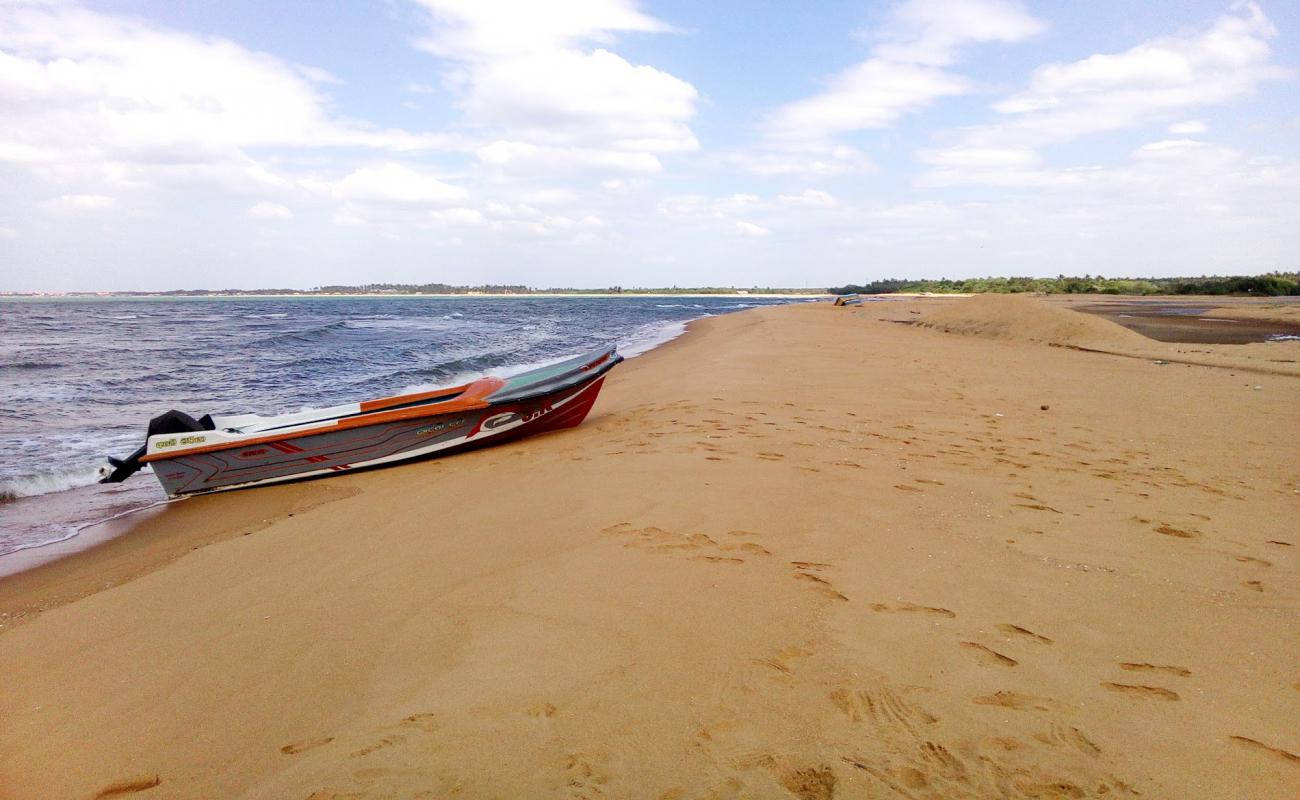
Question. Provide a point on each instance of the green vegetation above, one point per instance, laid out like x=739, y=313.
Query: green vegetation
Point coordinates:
x=1273, y=284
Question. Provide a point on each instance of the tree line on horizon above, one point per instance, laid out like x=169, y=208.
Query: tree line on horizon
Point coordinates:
x=1273, y=284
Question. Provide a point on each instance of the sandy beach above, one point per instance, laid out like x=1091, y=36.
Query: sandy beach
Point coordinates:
x=801, y=552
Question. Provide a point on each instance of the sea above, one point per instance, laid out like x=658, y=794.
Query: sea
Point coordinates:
x=80, y=378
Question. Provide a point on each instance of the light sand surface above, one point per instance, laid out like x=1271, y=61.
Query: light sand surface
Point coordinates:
x=801, y=552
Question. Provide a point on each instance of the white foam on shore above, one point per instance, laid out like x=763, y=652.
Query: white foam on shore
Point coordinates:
x=58, y=480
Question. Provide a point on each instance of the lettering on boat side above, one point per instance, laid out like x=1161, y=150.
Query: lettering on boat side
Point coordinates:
x=166, y=443
x=193, y=439
x=440, y=427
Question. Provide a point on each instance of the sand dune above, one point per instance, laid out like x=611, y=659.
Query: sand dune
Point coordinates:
x=1024, y=318
x=1051, y=321
x=799, y=553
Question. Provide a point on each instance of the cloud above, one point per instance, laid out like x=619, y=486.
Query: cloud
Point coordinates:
x=80, y=202
x=811, y=198
x=825, y=161
x=526, y=72
x=524, y=157
x=269, y=212
x=1152, y=81
x=905, y=72
x=392, y=183
x=1190, y=126
x=751, y=229
x=90, y=97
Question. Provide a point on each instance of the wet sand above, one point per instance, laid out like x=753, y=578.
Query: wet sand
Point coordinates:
x=1204, y=320
x=801, y=552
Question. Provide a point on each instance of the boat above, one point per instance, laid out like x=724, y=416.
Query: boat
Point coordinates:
x=848, y=300
x=210, y=454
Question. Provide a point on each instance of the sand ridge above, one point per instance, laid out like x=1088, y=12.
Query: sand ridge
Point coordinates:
x=1025, y=318
x=801, y=552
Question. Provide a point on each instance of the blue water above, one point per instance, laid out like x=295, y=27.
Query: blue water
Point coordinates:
x=79, y=379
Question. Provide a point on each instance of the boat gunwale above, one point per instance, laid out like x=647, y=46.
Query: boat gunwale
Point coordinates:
x=473, y=396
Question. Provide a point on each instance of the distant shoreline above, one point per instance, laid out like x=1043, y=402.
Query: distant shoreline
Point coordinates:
x=477, y=296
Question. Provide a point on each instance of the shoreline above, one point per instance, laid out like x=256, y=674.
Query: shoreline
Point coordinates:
x=800, y=551
x=97, y=532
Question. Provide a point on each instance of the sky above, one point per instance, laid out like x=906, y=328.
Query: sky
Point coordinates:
x=591, y=143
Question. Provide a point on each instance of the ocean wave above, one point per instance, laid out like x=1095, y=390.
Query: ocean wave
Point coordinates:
x=33, y=365
x=648, y=337
x=307, y=335
x=55, y=480
x=442, y=374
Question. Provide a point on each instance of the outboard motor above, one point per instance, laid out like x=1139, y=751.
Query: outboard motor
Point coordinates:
x=119, y=469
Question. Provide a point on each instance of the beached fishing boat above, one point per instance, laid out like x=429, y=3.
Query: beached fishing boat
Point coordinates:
x=210, y=454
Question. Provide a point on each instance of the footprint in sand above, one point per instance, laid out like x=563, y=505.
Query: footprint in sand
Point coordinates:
x=815, y=566
x=1253, y=560
x=542, y=710
x=823, y=585
x=427, y=722
x=988, y=656
x=1036, y=507
x=1145, y=667
x=882, y=706
x=1254, y=586
x=585, y=778
x=295, y=748
x=1015, y=700
x=749, y=547
x=387, y=741
x=1169, y=530
x=905, y=488
x=902, y=607
x=809, y=783
x=1150, y=692
x=128, y=786
x=1255, y=744
x=1016, y=630
x=1061, y=734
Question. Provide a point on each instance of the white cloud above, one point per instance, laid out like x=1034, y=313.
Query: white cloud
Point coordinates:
x=80, y=202
x=8, y=233
x=394, y=183
x=459, y=217
x=99, y=103
x=524, y=71
x=751, y=229
x=905, y=73
x=1188, y=127
x=1154, y=80
x=267, y=211
x=824, y=161
x=932, y=31
x=812, y=198
x=524, y=157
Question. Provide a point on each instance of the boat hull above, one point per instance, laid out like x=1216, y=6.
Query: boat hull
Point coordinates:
x=335, y=451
